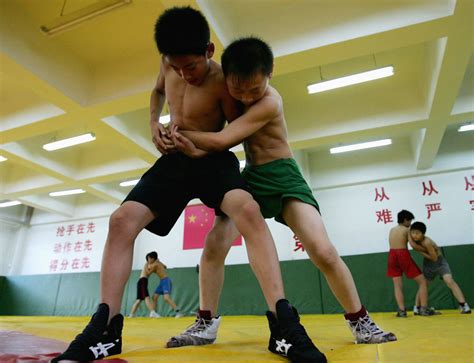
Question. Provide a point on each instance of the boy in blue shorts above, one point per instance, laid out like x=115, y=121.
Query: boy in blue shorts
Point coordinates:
x=275, y=181
x=164, y=288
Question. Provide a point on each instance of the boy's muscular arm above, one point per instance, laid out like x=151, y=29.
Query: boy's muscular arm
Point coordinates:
x=238, y=130
x=160, y=135
x=430, y=253
x=185, y=145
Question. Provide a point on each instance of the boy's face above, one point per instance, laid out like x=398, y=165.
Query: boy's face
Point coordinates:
x=150, y=260
x=407, y=222
x=193, y=68
x=417, y=235
x=248, y=91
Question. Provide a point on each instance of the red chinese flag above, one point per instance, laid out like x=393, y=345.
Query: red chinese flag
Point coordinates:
x=198, y=221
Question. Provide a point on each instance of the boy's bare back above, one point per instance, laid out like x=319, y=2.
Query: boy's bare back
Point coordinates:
x=398, y=237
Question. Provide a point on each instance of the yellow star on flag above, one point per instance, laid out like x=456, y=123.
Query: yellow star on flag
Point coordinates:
x=192, y=218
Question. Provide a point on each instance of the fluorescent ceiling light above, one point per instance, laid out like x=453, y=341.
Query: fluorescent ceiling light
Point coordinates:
x=76, y=17
x=469, y=127
x=61, y=144
x=67, y=192
x=364, y=145
x=3, y=158
x=9, y=204
x=165, y=119
x=350, y=80
x=129, y=183
x=242, y=164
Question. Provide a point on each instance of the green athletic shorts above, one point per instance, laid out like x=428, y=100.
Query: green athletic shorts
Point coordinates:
x=275, y=181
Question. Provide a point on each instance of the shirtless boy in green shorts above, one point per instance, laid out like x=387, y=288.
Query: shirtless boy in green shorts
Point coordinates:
x=275, y=181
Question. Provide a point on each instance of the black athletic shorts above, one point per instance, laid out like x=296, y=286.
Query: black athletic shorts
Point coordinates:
x=175, y=179
x=142, y=288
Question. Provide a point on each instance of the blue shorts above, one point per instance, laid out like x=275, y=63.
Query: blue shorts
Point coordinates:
x=164, y=287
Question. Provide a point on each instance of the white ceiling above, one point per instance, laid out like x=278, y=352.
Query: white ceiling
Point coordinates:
x=97, y=77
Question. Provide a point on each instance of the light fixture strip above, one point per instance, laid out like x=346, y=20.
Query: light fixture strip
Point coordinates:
x=129, y=183
x=364, y=145
x=464, y=128
x=69, y=20
x=350, y=80
x=9, y=203
x=67, y=192
x=3, y=158
x=76, y=140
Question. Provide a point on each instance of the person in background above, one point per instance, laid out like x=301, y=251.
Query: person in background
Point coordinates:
x=400, y=262
x=434, y=264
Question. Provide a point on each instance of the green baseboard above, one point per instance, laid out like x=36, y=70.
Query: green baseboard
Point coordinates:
x=305, y=287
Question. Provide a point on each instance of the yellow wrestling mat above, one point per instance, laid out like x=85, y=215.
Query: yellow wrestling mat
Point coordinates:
x=442, y=338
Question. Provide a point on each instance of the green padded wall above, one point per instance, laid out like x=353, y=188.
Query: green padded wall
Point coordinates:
x=29, y=295
x=305, y=287
x=241, y=294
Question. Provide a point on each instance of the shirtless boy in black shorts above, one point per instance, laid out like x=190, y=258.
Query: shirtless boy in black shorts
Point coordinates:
x=195, y=90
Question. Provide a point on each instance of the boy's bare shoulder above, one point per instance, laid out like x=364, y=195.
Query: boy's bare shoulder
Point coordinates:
x=270, y=103
x=428, y=241
x=216, y=74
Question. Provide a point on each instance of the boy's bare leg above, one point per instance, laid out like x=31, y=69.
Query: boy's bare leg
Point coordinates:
x=448, y=279
x=284, y=322
x=211, y=268
x=103, y=335
x=422, y=289
x=398, y=291
x=149, y=304
x=305, y=221
x=135, y=306
x=124, y=226
x=169, y=301
x=245, y=213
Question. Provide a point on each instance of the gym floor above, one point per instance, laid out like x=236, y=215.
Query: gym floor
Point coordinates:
x=443, y=338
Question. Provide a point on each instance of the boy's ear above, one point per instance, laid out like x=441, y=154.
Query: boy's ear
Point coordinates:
x=210, y=50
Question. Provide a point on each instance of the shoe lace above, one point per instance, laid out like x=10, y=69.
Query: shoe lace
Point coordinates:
x=366, y=327
x=198, y=326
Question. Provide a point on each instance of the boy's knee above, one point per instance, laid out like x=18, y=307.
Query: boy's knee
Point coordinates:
x=118, y=220
x=214, y=253
x=327, y=258
x=249, y=211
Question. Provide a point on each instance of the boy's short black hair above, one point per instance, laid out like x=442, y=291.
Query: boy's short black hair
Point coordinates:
x=404, y=215
x=181, y=31
x=246, y=57
x=153, y=255
x=418, y=226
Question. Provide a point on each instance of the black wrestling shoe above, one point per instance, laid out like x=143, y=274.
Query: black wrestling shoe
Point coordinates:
x=288, y=337
x=97, y=339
